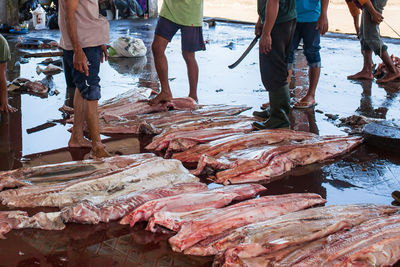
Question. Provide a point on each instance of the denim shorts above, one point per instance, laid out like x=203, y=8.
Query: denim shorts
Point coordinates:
x=311, y=40
x=192, y=37
x=88, y=86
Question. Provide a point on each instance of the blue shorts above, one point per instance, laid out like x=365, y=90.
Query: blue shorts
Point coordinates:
x=192, y=37
x=88, y=86
x=311, y=40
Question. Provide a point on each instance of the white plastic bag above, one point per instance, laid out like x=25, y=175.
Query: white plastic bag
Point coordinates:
x=39, y=18
x=127, y=47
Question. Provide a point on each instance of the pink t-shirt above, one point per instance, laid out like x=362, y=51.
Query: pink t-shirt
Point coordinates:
x=92, y=28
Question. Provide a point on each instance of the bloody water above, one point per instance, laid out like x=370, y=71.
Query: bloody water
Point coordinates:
x=37, y=134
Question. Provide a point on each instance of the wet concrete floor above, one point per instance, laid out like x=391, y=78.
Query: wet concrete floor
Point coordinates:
x=37, y=134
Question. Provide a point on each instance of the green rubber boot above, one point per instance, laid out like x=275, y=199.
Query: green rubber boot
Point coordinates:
x=263, y=114
x=279, y=109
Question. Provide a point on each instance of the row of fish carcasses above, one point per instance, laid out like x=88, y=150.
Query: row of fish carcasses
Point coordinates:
x=147, y=188
x=227, y=221
x=221, y=145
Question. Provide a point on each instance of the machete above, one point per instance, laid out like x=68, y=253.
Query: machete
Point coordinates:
x=252, y=44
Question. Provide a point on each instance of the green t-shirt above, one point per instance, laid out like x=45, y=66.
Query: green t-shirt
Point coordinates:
x=287, y=10
x=4, y=50
x=183, y=12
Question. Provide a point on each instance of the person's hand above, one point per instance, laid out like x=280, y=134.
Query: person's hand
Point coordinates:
x=6, y=108
x=258, y=28
x=376, y=17
x=104, y=54
x=81, y=62
x=322, y=24
x=265, y=43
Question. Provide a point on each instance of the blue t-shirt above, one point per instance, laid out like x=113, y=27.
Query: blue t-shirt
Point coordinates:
x=308, y=10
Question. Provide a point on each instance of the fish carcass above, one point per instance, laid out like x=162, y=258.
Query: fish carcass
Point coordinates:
x=49, y=70
x=275, y=238
x=116, y=208
x=19, y=219
x=129, y=110
x=373, y=243
x=68, y=171
x=227, y=219
x=215, y=198
x=154, y=123
x=150, y=173
x=31, y=87
x=130, y=96
x=241, y=163
x=184, y=136
x=242, y=141
x=277, y=161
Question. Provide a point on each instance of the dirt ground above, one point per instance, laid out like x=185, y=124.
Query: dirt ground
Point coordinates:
x=339, y=17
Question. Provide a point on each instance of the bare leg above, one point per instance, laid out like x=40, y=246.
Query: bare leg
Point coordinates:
x=313, y=76
x=289, y=77
x=193, y=73
x=92, y=118
x=393, y=72
x=366, y=72
x=160, y=60
x=77, y=139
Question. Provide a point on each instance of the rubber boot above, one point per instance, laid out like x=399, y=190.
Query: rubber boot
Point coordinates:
x=263, y=114
x=279, y=107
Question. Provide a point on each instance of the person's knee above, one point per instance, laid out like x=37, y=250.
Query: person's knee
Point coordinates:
x=375, y=45
x=189, y=56
x=159, y=45
x=156, y=48
x=312, y=55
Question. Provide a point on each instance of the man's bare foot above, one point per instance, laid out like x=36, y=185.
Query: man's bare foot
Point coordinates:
x=390, y=76
x=362, y=75
x=66, y=109
x=307, y=101
x=99, y=153
x=161, y=97
x=79, y=143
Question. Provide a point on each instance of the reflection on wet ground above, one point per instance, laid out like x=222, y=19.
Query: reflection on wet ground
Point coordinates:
x=37, y=134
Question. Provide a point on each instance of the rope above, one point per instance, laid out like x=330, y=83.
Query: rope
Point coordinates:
x=391, y=28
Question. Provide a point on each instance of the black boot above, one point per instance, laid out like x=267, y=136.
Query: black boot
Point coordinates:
x=263, y=114
x=279, y=109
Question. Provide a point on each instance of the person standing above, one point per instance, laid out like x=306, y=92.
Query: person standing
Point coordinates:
x=276, y=24
x=370, y=39
x=187, y=16
x=5, y=56
x=312, y=22
x=83, y=35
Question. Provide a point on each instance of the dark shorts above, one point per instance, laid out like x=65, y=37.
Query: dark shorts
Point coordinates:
x=88, y=86
x=192, y=37
x=311, y=40
x=69, y=79
x=370, y=37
